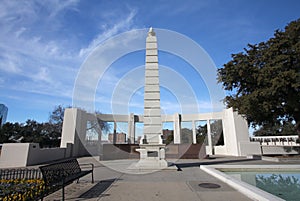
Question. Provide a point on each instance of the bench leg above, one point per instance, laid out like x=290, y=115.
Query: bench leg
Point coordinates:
x=63, y=193
x=63, y=190
x=92, y=177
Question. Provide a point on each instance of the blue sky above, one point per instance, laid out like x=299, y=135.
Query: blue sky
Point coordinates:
x=43, y=45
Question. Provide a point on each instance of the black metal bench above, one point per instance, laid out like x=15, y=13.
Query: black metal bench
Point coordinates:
x=60, y=174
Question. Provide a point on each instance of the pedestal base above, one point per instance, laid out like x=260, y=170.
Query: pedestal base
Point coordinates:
x=152, y=157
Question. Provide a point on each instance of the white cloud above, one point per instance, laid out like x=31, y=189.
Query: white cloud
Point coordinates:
x=36, y=59
x=13, y=11
x=23, y=28
x=57, y=6
x=119, y=26
x=8, y=65
x=19, y=32
x=25, y=46
x=34, y=56
x=42, y=75
x=29, y=10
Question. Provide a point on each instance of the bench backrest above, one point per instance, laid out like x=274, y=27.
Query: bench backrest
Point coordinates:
x=55, y=172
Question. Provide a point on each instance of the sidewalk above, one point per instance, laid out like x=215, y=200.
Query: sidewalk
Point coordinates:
x=114, y=185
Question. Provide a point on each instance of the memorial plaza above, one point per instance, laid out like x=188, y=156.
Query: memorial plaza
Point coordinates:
x=148, y=168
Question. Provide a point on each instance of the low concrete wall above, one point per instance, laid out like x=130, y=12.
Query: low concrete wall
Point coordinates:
x=36, y=155
x=127, y=151
x=249, y=148
x=14, y=155
x=186, y=151
x=220, y=150
x=280, y=150
x=26, y=154
x=119, y=151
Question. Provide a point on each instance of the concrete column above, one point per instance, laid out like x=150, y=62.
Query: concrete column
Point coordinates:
x=194, y=132
x=99, y=131
x=236, y=135
x=74, y=130
x=210, y=145
x=115, y=133
x=177, y=129
x=131, y=129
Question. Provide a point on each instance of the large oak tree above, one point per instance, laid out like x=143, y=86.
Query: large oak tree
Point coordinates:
x=263, y=81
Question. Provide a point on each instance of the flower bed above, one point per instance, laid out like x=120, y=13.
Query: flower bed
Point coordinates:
x=21, y=189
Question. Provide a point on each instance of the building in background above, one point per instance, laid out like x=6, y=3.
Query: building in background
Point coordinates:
x=120, y=138
x=3, y=114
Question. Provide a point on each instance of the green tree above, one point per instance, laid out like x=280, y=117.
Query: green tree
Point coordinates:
x=53, y=128
x=47, y=134
x=264, y=81
x=56, y=118
x=31, y=131
x=9, y=132
x=216, y=130
x=51, y=135
x=186, y=136
x=170, y=139
x=286, y=128
x=201, y=134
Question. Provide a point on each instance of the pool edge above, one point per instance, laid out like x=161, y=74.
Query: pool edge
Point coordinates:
x=250, y=191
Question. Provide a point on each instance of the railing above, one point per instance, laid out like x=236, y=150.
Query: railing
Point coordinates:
x=20, y=174
x=276, y=140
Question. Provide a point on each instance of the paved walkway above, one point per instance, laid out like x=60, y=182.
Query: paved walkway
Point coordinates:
x=112, y=183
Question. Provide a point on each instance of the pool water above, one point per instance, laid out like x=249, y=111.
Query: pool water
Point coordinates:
x=285, y=185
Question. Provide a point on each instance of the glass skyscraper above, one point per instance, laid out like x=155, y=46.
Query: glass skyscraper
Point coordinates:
x=3, y=114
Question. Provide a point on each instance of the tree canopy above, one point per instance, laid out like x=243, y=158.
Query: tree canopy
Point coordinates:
x=284, y=129
x=263, y=81
x=31, y=131
x=47, y=134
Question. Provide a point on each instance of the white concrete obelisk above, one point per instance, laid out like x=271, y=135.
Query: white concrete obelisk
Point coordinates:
x=152, y=150
x=152, y=112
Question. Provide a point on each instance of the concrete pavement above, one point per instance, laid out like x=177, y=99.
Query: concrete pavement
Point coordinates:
x=112, y=183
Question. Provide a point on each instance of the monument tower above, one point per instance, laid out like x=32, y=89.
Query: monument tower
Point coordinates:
x=152, y=112
x=152, y=150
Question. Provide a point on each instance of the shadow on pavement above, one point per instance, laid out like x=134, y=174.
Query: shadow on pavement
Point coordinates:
x=186, y=165
x=97, y=190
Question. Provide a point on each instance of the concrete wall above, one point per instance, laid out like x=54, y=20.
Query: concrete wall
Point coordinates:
x=174, y=151
x=235, y=130
x=185, y=151
x=119, y=151
x=249, y=148
x=280, y=150
x=14, y=155
x=230, y=138
x=74, y=130
x=236, y=136
x=221, y=150
x=26, y=154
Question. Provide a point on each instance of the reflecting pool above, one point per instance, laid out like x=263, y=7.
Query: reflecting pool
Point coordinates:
x=285, y=185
